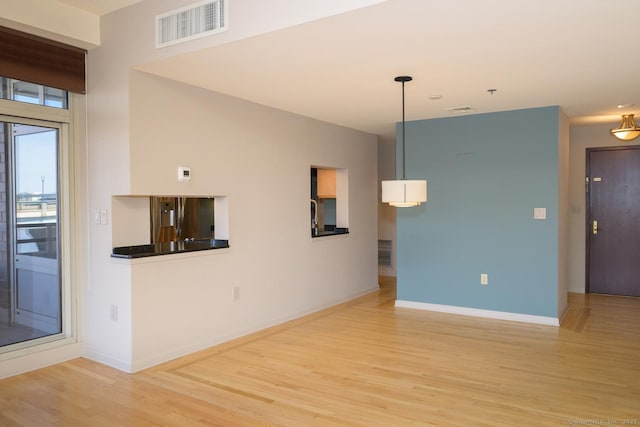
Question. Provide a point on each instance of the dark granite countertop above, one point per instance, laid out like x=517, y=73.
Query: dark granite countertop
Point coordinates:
x=333, y=232
x=155, y=249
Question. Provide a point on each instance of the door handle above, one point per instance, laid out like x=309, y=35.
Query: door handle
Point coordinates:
x=595, y=227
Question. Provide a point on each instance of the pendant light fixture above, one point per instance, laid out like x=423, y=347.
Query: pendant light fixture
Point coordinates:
x=404, y=193
x=628, y=129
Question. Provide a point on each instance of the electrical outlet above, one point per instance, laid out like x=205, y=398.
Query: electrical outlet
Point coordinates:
x=235, y=293
x=114, y=313
x=484, y=279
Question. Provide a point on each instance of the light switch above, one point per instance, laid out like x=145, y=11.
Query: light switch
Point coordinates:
x=539, y=213
x=103, y=216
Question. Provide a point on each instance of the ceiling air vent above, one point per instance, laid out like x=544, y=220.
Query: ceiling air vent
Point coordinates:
x=191, y=22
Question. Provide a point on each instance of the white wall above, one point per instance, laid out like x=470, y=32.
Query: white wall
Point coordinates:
x=53, y=20
x=583, y=137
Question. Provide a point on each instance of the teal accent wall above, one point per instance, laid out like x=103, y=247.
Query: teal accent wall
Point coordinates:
x=486, y=173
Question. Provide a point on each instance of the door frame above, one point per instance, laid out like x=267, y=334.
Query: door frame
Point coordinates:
x=59, y=120
x=587, y=286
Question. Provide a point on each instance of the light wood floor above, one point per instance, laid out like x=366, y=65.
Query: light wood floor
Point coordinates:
x=365, y=363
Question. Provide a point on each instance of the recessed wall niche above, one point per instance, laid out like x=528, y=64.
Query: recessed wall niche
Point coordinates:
x=139, y=220
x=329, y=204
x=181, y=218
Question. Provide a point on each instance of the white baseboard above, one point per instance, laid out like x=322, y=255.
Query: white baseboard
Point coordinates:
x=58, y=353
x=105, y=359
x=476, y=312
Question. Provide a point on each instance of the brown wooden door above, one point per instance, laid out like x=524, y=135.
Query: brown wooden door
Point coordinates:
x=613, y=201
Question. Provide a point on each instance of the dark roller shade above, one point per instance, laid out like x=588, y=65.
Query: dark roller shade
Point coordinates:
x=38, y=60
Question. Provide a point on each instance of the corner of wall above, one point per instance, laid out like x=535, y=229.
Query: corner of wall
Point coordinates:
x=563, y=211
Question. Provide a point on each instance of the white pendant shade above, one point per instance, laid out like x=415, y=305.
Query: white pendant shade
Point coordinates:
x=404, y=193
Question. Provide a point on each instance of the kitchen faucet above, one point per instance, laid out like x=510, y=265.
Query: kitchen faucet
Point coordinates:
x=314, y=222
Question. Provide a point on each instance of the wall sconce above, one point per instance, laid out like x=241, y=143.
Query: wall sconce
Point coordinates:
x=404, y=193
x=628, y=129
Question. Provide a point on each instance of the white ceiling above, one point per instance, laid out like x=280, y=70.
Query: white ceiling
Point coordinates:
x=578, y=54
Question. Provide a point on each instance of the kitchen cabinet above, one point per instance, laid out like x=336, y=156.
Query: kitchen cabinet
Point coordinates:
x=326, y=183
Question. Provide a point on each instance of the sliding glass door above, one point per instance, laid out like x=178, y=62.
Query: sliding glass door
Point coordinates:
x=30, y=279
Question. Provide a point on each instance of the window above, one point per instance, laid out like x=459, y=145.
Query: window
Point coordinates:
x=35, y=291
x=16, y=90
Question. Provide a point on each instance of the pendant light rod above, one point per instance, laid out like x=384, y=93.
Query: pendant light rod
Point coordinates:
x=404, y=193
x=403, y=80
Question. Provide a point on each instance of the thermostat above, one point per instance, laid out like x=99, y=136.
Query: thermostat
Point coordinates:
x=184, y=173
